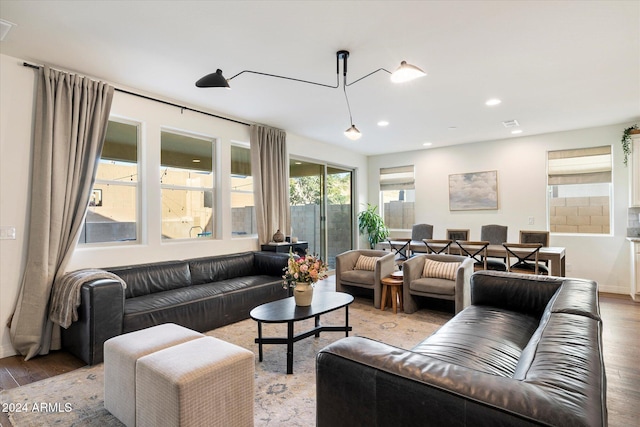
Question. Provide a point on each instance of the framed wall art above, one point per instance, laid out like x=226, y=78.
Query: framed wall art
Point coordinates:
x=473, y=191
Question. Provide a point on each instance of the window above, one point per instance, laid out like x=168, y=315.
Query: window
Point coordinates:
x=187, y=185
x=397, y=194
x=243, y=213
x=112, y=215
x=579, y=190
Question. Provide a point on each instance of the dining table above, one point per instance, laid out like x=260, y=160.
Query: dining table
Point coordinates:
x=555, y=255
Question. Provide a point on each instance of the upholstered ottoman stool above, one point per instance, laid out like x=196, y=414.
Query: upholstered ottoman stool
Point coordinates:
x=204, y=382
x=120, y=356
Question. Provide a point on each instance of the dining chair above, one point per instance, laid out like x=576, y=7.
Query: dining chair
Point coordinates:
x=536, y=236
x=435, y=246
x=527, y=258
x=477, y=250
x=458, y=234
x=419, y=232
x=496, y=235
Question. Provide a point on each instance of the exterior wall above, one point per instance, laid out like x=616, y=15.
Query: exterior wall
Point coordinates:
x=307, y=220
x=580, y=215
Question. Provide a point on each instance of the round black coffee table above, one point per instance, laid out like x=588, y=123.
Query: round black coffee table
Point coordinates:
x=286, y=311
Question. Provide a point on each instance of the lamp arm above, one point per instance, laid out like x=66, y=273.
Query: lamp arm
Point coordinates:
x=364, y=77
x=289, y=78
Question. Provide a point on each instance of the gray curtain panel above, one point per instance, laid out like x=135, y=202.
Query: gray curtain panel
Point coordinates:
x=270, y=171
x=71, y=117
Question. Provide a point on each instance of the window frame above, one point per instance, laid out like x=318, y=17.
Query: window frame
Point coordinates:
x=400, y=183
x=214, y=184
x=589, y=151
x=138, y=185
x=246, y=146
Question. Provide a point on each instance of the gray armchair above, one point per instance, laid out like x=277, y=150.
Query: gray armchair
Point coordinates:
x=416, y=285
x=347, y=276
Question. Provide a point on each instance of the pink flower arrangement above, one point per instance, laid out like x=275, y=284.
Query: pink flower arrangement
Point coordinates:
x=308, y=268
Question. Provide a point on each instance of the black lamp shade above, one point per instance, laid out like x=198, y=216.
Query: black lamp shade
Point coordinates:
x=213, y=80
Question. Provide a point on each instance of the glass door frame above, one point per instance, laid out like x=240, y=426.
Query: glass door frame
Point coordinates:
x=324, y=233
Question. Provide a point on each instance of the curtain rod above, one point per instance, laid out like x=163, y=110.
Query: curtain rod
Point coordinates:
x=182, y=107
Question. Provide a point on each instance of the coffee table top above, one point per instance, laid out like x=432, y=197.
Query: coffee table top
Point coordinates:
x=285, y=310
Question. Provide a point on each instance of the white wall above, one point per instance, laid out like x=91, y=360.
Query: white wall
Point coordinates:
x=521, y=166
x=17, y=85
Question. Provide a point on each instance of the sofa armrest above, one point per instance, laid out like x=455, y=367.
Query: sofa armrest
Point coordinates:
x=100, y=317
x=360, y=381
x=270, y=263
x=525, y=293
x=463, y=284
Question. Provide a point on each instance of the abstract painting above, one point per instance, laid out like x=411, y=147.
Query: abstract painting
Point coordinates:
x=473, y=191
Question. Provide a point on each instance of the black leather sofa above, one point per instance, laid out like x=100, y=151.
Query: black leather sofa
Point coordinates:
x=528, y=351
x=200, y=294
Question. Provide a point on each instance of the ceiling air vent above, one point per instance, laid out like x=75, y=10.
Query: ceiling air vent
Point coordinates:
x=511, y=124
x=5, y=26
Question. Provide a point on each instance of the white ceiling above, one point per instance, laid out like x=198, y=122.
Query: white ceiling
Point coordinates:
x=556, y=65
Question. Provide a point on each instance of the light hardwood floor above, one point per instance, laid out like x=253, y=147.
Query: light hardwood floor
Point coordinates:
x=621, y=346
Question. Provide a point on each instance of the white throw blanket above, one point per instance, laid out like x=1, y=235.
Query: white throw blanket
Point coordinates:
x=65, y=294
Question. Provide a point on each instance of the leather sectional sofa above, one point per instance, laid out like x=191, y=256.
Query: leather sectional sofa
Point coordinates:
x=528, y=351
x=200, y=294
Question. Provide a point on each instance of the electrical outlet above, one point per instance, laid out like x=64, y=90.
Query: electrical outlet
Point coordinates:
x=531, y=220
x=7, y=233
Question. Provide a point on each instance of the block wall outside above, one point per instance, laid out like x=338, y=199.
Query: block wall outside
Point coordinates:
x=399, y=215
x=305, y=224
x=588, y=215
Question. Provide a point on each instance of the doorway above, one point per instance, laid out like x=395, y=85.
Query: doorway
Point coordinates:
x=321, y=207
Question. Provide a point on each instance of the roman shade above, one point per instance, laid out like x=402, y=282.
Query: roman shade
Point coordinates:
x=397, y=178
x=580, y=166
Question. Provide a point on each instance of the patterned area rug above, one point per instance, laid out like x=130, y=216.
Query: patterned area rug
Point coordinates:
x=76, y=398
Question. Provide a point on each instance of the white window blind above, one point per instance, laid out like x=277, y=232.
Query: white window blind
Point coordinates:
x=397, y=178
x=581, y=166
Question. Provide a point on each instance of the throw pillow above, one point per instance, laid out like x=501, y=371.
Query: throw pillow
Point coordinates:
x=440, y=270
x=366, y=263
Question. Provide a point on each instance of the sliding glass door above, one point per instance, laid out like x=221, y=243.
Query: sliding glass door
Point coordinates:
x=322, y=208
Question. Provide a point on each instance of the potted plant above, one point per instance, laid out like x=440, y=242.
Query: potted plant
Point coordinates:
x=301, y=274
x=371, y=224
x=626, y=141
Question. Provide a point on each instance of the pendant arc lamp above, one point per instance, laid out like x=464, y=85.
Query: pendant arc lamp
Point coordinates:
x=404, y=73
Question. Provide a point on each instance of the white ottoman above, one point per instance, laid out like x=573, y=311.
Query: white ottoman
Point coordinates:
x=204, y=382
x=120, y=356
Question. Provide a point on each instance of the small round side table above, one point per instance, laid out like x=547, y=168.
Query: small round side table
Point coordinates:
x=392, y=285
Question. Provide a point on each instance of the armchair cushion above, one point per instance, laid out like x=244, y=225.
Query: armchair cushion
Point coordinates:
x=440, y=270
x=364, y=278
x=433, y=285
x=366, y=263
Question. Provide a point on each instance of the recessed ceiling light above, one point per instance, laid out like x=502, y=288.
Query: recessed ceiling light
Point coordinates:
x=383, y=123
x=492, y=102
x=427, y=144
x=196, y=160
x=517, y=131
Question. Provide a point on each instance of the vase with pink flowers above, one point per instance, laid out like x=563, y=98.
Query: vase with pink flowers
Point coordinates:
x=301, y=274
